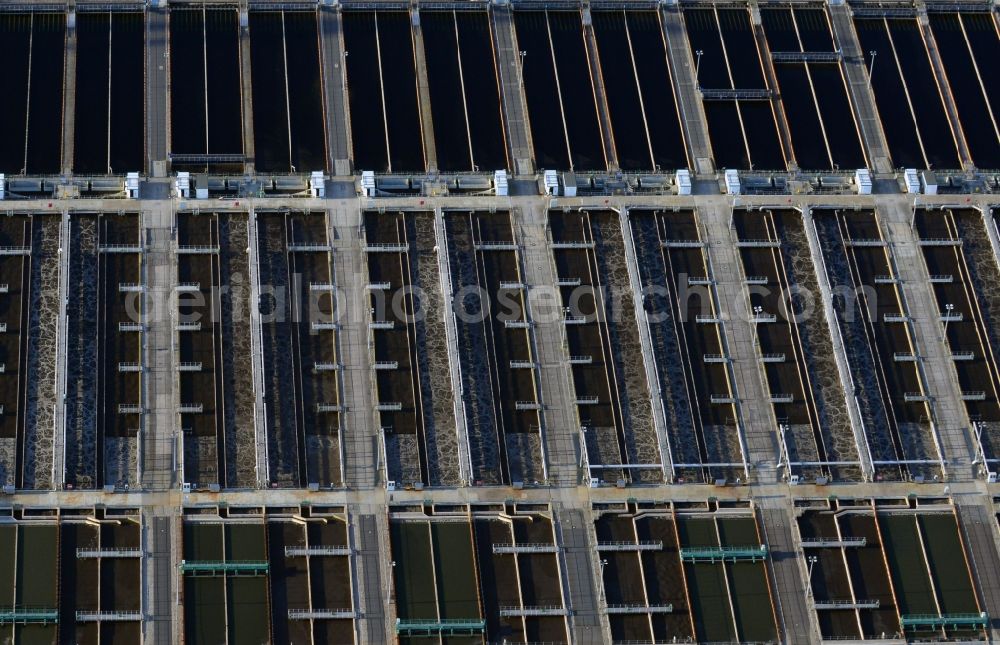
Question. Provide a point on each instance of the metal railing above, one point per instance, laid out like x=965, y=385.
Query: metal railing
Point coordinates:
x=317, y=550
x=118, y=248
x=197, y=249
x=385, y=248
x=528, y=547
x=733, y=95
x=935, y=621
x=540, y=610
x=639, y=609
x=28, y=614
x=846, y=604
x=827, y=543
x=443, y=626
x=121, y=552
x=321, y=614
x=571, y=245
x=219, y=567
x=939, y=241
x=806, y=57
x=724, y=553
x=650, y=545
x=309, y=248
x=683, y=244
x=872, y=242
x=108, y=616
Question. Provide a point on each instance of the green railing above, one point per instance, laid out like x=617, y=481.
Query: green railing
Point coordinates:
x=24, y=615
x=220, y=568
x=724, y=553
x=953, y=621
x=442, y=627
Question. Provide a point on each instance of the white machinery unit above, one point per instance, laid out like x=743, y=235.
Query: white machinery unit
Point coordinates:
x=368, y=183
x=683, y=180
x=3, y=186
x=182, y=184
x=500, y=183
x=317, y=184
x=863, y=180
x=201, y=193
x=551, y=182
x=595, y=482
x=912, y=181
x=132, y=185
x=732, y=182
x=569, y=184
x=929, y=182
